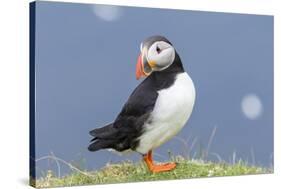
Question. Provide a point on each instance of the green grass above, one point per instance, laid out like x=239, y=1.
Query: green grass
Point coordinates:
x=136, y=172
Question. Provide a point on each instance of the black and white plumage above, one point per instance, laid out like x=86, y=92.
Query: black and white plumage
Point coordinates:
x=157, y=109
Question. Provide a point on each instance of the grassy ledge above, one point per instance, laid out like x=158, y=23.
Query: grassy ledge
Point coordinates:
x=136, y=172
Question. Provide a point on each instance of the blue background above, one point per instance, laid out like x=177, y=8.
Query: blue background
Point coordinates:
x=85, y=71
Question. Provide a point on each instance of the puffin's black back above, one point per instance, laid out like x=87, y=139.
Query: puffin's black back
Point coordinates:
x=124, y=132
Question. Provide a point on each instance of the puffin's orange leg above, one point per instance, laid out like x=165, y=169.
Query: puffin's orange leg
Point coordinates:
x=157, y=168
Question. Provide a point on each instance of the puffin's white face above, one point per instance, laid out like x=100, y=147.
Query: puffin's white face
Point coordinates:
x=160, y=55
x=156, y=57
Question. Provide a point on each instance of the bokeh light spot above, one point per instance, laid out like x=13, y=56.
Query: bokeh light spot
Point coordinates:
x=251, y=106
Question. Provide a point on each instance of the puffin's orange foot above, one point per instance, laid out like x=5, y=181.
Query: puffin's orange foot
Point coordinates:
x=157, y=168
x=162, y=168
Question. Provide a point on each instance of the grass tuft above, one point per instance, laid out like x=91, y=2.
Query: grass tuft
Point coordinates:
x=136, y=172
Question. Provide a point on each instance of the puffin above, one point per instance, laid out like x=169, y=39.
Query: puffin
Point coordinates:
x=157, y=109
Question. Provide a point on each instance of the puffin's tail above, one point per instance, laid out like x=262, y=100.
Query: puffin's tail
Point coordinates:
x=104, y=137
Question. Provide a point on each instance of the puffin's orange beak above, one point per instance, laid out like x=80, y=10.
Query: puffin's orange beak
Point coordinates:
x=139, y=68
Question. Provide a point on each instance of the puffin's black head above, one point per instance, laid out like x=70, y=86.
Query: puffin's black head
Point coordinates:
x=157, y=54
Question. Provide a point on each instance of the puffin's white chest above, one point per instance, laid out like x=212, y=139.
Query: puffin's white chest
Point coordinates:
x=172, y=110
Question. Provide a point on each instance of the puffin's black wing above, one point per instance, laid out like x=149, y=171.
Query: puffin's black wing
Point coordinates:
x=140, y=102
x=122, y=134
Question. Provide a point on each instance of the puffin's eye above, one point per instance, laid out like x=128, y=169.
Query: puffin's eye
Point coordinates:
x=158, y=49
